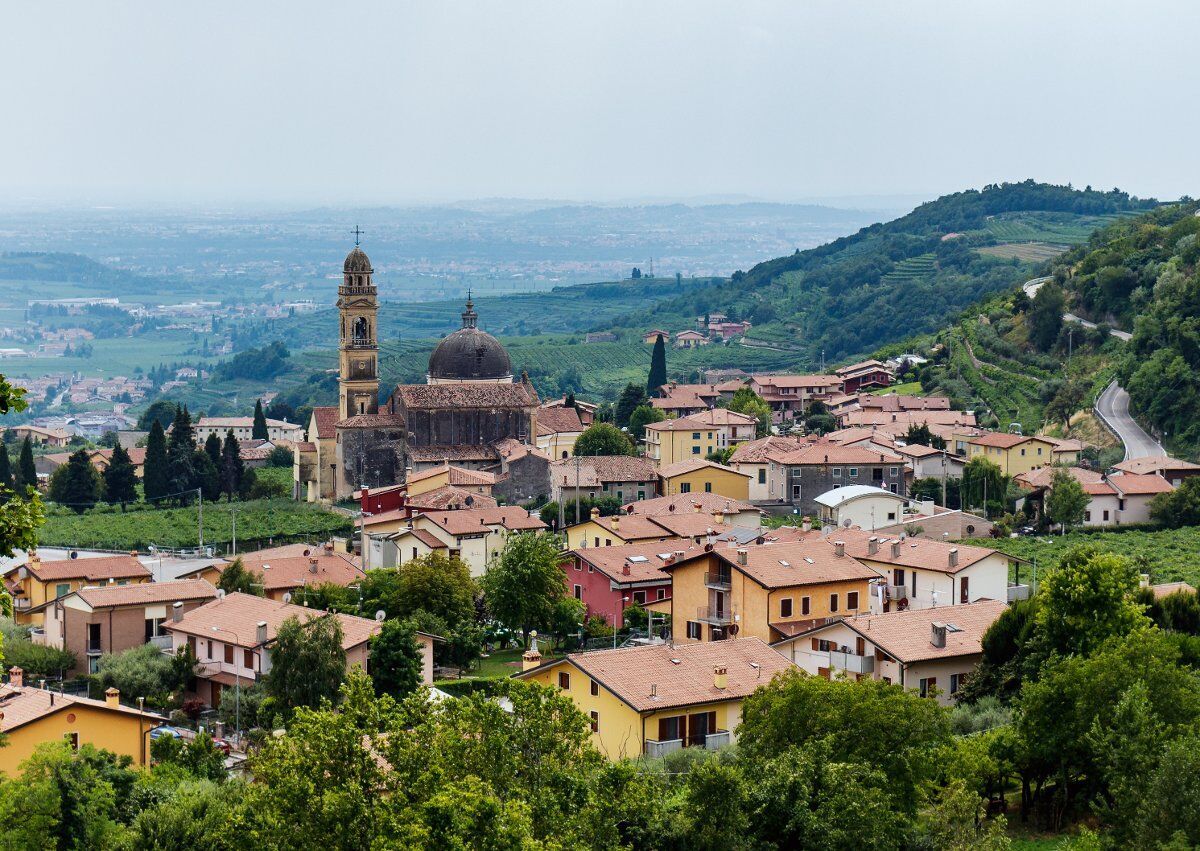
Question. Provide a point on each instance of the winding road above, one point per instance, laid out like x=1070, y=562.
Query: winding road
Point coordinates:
x=1112, y=406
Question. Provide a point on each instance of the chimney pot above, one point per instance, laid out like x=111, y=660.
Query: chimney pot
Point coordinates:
x=954, y=557
x=895, y=549
x=260, y=632
x=312, y=565
x=177, y=611
x=16, y=677
x=872, y=545
x=938, y=634
x=742, y=555
x=112, y=696
x=839, y=548
x=721, y=677
x=625, y=568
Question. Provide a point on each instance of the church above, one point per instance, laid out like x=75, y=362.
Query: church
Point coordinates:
x=470, y=412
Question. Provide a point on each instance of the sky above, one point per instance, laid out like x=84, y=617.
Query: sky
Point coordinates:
x=351, y=103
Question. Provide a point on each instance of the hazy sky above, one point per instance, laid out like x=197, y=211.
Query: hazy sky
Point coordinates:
x=391, y=102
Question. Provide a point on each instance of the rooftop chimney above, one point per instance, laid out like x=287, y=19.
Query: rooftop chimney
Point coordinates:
x=895, y=549
x=938, y=636
x=615, y=522
x=872, y=545
x=177, y=611
x=839, y=548
x=625, y=568
x=112, y=697
x=720, y=677
x=954, y=557
x=742, y=555
x=260, y=632
x=531, y=658
x=696, y=506
x=312, y=565
x=16, y=677
x=595, y=513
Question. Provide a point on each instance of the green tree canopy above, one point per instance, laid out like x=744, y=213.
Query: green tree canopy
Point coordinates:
x=631, y=397
x=235, y=578
x=658, y=366
x=1045, y=315
x=1067, y=502
x=746, y=401
x=76, y=484
x=1088, y=599
x=1180, y=507
x=259, y=431
x=983, y=485
x=920, y=435
x=308, y=663
x=120, y=478
x=395, y=659
x=155, y=481
x=603, y=439
x=26, y=474
x=522, y=586
x=233, y=470
x=641, y=417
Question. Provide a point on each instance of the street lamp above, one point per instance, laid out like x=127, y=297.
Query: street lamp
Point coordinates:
x=237, y=684
x=618, y=623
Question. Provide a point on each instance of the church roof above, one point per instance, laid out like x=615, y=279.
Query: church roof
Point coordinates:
x=372, y=421
x=427, y=454
x=357, y=261
x=469, y=354
x=467, y=395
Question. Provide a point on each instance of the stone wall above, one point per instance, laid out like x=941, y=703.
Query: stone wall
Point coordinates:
x=527, y=478
x=816, y=479
x=374, y=457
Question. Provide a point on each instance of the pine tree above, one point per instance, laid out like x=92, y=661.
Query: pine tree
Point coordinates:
x=232, y=469
x=26, y=472
x=76, y=484
x=154, y=474
x=658, y=366
x=120, y=479
x=6, y=474
x=260, y=422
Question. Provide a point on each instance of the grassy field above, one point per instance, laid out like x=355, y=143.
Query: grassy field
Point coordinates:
x=110, y=529
x=911, y=388
x=1168, y=555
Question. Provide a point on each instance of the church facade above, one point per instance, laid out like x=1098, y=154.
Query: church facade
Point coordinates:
x=470, y=407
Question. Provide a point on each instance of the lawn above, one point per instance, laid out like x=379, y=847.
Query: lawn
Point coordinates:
x=910, y=388
x=1167, y=555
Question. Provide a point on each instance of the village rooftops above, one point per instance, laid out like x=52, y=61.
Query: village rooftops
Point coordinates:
x=1003, y=440
x=839, y=496
x=784, y=565
x=90, y=569
x=764, y=449
x=690, y=465
x=919, y=553
x=699, y=503
x=1155, y=464
x=459, y=476
x=449, y=498
x=1165, y=589
x=635, y=527
x=907, y=636
x=1042, y=477
x=478, y=521
x=317, y=568
x=833, y=453
x=21, y=705
x=469, y=395
x=236, y=616
x=1140, y=484
x=634, y=563
x=442, y=453
x=326, y=420
x=704, y=420
x=600, y=469
x=558, y=421
x=146, y=593
x=382, y=420
x=662, y=676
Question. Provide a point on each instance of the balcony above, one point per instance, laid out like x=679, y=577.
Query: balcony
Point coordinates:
x=714, y=616
x=851, y=662
x=20, y=603
x=657, y=748
x=710, y=742
x=719, y=739
x=718, y=581
x=94, y=648
x=1018, y=592
x=897, y=592
x=162, y=642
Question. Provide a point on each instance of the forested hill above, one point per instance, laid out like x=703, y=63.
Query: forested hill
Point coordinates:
x=1143, y=275
x=910, y=275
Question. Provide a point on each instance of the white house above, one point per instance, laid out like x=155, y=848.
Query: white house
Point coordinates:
x=1122, y=499
x=860, y=506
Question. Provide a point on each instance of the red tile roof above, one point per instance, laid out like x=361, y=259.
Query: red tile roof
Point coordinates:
x=21, y=706
x=450, y=498
x=477, y=521
x=1140, y=484
x=469, y=395
x=644, y=560
x=598, y=470
x=558, y=421
x=688, y=503
x=326, y=418
x=810, y=562
x=238, y=615
x=90, y=569
x=279, y=572
x=146, y=593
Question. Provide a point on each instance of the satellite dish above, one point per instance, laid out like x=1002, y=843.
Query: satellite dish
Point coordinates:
x=846, y=523
x=306, y=552
x=74, y=554
x=220, y=593
x=733, y=629
x=380, y=615
x=287, y=597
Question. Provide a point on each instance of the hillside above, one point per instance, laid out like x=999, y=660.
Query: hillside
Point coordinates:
x=843, y=299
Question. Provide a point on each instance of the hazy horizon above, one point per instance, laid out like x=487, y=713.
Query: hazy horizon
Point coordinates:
x=305, y=104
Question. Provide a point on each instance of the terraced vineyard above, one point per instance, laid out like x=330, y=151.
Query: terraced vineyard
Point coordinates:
x=1026, y=252
x=1046, y=227
x=911, y=269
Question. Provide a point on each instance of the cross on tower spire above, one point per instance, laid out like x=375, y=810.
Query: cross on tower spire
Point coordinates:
x=358, y=232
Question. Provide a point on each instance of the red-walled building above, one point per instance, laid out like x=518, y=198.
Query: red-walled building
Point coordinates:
x=865, y=376
x=608, y=579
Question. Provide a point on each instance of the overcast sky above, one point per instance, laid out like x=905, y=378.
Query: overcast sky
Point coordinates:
x=391, y=102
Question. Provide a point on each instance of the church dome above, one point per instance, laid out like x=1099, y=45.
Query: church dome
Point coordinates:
x=356, y=261
x=469, y=355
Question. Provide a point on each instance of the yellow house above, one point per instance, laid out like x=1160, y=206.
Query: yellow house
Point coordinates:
x=697, y=435
x=37, y=582
x=695, y=475
x=315, y=468
x=557, y=431
x=660, y=698
x=473, y=481
x=31, y=716
x=633, y=528
x=769, y=592
x=1012, y=453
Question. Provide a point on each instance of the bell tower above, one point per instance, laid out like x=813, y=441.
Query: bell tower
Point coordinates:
x=358, y=352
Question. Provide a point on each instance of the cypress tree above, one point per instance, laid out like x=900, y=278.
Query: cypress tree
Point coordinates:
x=181, y=468
x=26, y=472
x=120, y=479
x=76, y=484
x=6, y=475
x=232, y=469
x=212, y=448
x=658, y=366
x=154, y=475
x=260, y=422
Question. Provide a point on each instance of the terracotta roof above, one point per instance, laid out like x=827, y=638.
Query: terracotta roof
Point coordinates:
x=21, y=706
x=423, y=535
x=306, y=446
x=467, y=395
x=1140, y=484
x=238, y=615
x=558, y=421
x=279, y=572
x=790, y=628
x=637, y=528
x=798, y=380
x=427, y=454
x=91, y=569
x=803, y=563
x=1005, y=441
x=922, y=553
x=372, y=421
x=1043, y=476
x=1066, y=445
x=450, y=498
x=1164, y=589
x=690, y=465
x=1154, y=464
x=295, y=550
x=763, y=449
x=1098, y=489
x=908, y=418
x=723, y=416
x=470, y=521
x=833, y=453
x=146, y=593
x=699, y=503
x=896, y=402
x=917, y=450
x=457, y=475
x=511, y=449
x=684, y=525
x=599, y=469
x=681, y=675
x=644, y=560
x=907, y=635
x=327, y=418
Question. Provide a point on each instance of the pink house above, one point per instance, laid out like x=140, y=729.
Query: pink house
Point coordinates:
x=608, y=579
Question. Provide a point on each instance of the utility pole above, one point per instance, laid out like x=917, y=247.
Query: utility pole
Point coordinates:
x=233, y=516
x=578, y=519
x=944, y=481
x=200, y=517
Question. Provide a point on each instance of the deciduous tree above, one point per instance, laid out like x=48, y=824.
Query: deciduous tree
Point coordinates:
x=522, y=586
x=1067, y=502
x=603, y=439
x=308, y=663
x=395, y=659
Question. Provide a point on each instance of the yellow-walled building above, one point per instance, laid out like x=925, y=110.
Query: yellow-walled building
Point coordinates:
x=660, y=698
x=695, y=436
x=696, y=475
x=31, y=716
x=769, y=592
x=1012, y=453
x=36, y=583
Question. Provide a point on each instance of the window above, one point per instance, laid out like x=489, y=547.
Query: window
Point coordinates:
x=695, y=435
x=62, y=589
x=639, y=597
x=578, y=592
x=578, y=566
x=662, y=593
x=228, y=654
x=837, y=472
x=695, y=450
x=685, y=487
x=708, y=487
x=591, y=568
x=595, y=716
x=1022, y=452
x=892, y=514
x=785, y=607
x=1106, y=514
x=248, y=659
x=209, y=654
x=928, y=684
x=595, y=688
x=641, y=494
x=564, y=680
x=805, y=605
x=693, y=631
x=956, y=681
x=72, y=740
x=93, y=664
x=852, y=472
x=833, y=602
x=608, y=542
x=1087, y=517
x=596, y=540
x=964, y=596
x=762, y=475
x=852, y=600
x=892, y=471
x=825, y=646
x=877, y=474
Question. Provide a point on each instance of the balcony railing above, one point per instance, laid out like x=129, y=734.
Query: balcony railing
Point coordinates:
x=710, y=742
x=162, y=642
x=897, y=592
x=657, y=748
x=719, y=739
x=719, y=581
x=1018, y=592
x=94, y=649
x=21, y=602
x=851, y=662
x=709, y=614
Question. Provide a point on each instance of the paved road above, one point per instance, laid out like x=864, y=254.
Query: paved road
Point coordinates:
x=1113, y=407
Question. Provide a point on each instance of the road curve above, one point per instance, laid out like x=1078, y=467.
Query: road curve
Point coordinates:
x=1112, y=406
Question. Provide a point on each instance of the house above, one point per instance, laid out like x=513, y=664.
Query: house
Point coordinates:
x=316, y=456
x=899, y=421
x=924, y=519
x=281, y=571
x=478, y=482
x=656, y=699
x=557, y=431
x=41, y=436
x=690, y=340
x=243, y=429
x=624, y=528
x=893, y=402
x=867, y=374
x=696, y=475
x=754, y=457
x=860, y=506
x=585, y=410
x=920, y=573
x=36, y=583
x=927, y=462
x=731, y=512
x=1012, y=453
x=1067, y=452
x=232, y=635
x=796, y=477
x=1122, y=499
x=764, y=591
x=651, y=336
x=32, y=716
x=790, y=395
x=621, y=476
x=682, y=400
x=610, y=579
x=475, y=536
x=1171, y=469
x=697, y=435
x=114, y=618
x=931, y=651
x=46, y=465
